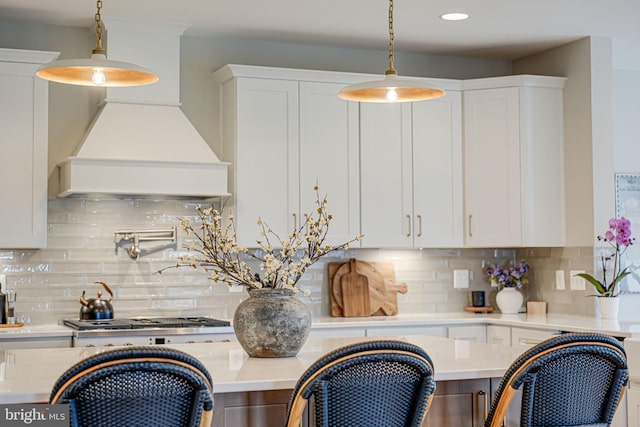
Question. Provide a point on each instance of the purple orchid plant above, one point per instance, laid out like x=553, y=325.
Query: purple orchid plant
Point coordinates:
x=618, y=236
x=513, y=276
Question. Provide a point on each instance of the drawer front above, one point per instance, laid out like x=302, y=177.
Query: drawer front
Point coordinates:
x=529, y=337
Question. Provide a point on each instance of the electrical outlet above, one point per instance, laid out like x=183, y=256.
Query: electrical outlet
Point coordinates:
x=3, y=283
x=560, y=280
x=577, y=282
x=236, y=288
x=460, y=278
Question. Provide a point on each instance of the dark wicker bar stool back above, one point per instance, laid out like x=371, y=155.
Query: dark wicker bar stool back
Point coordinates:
x=381, y=383
x=569, y=380
x=137, y=386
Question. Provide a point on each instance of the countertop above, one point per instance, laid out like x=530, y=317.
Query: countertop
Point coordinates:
x=28, y=375
x=560, y=322
x=35, y=331
x=567, y=323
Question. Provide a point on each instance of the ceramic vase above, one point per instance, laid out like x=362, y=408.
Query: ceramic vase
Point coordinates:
x=509, y=300
x=609, y=307
x=272, y=323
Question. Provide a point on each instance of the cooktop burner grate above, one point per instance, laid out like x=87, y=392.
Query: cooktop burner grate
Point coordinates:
x=145, y=322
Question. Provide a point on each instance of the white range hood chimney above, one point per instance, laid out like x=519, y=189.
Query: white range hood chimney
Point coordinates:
x=140, y=143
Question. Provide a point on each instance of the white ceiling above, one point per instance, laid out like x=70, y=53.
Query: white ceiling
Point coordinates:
x=505, y=29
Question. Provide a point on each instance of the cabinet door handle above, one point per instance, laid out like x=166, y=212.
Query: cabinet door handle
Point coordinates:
x=485, y=397
x=295, y=221
x=470, y=233
x=419, y=225
x=409, y=221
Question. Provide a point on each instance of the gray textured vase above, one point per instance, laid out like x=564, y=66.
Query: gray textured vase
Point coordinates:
x=272, y=323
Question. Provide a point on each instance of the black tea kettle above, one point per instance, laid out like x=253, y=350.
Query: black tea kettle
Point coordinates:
x=97, y=308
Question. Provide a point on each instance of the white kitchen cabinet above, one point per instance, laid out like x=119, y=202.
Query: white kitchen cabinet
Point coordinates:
x=49, y=342
x=633, y=407
x=529, y=337
x=401, y=331
x=514, y=162
x=23, y=149
x=411, y=169
x=283, y=136
x=340, y=332
x=500, y=335
x=468, y=333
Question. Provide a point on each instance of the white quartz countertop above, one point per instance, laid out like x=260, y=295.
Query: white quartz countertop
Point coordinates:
x=560, y=322
x=28, y=375
x=34, y=331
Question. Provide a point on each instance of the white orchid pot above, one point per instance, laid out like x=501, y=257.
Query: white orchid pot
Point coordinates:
x=509, y=300
x=609, y=307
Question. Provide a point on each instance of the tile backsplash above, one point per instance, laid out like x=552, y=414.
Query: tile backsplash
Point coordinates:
x=82, y=249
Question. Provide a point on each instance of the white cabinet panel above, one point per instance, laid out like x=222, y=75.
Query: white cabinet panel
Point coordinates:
x=492, y=170
x=329, y=157
x=262, y=145
x=23, y=149
x=500, y=335
x=385, y=190
x=529, y=337
x=13, y=344
x=399, y=331
x=633, y=407
x=469, y=333
x=437, y=172
x=292, y=135
x=514, y=162
x=337, y=333
x=411, y=168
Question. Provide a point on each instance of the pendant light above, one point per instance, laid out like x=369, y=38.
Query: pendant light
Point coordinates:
x=391, y=88
x=98, y=70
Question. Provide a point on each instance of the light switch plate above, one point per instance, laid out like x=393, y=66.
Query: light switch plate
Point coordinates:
x=577, y=283
x=460, y=279
x=560, y=280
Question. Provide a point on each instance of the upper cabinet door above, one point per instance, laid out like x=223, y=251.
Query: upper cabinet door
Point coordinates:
x=23, y=149
x=492, y=167
x=263, y=154
x=437, y=172
x=411, y=163
x=385, y=189
x=329, y=150
x=514, y=162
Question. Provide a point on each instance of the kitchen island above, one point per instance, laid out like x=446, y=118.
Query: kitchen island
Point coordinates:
x=465, y=372
x=247, y=389
x=27, y=375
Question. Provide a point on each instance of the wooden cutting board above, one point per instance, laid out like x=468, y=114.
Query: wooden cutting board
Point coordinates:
x=354, y=288
x=381, y=285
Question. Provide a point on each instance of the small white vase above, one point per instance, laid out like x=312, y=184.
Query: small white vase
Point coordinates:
x=609, y=307
x=509, y=300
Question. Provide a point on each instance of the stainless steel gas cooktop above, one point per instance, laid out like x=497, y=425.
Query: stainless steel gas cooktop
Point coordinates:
x=142, y=323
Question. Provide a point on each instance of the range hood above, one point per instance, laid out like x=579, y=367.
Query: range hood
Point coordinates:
x=140, y=144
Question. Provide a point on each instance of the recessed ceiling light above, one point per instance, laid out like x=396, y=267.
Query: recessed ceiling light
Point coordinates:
x=454, y=16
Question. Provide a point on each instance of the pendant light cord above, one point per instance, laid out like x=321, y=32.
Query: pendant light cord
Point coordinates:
x=391, y=69
x=99, y=49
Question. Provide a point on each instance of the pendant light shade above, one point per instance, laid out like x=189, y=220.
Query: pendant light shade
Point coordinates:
x=391, y=88
x=97, y=70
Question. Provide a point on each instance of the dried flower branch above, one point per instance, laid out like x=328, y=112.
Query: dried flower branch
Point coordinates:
x=216, y=250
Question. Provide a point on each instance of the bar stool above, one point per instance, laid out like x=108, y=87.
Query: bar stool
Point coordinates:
x=137, y=386
x=382, y=383
x=568, y=380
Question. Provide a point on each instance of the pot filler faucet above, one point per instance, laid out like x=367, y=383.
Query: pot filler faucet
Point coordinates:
x=132, y=239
